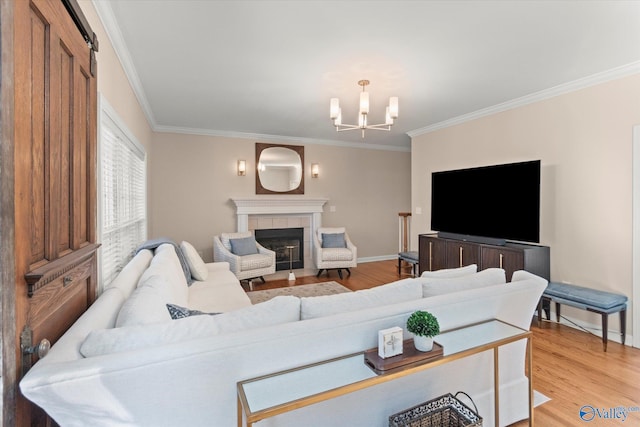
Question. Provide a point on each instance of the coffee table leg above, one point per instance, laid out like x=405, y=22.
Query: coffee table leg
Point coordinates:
x=496, y=385
x=530, y=363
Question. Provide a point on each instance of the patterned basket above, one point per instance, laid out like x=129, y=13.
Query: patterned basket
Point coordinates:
x=443, y=411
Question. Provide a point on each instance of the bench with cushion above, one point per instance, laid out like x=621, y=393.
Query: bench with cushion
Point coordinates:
x=410, y=257
x=597, y=301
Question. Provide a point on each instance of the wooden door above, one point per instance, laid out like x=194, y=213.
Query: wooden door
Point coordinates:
x=502, y=257
x=54, y=120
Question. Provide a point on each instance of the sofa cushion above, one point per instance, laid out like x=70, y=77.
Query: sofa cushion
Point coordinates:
x=254, y=261
x=333, y=240
x=197, y=267
x=220, y=293
x=145, y=306
x=327, y=305
x=337, y=254
x=452, y=272
x=439, y=286
x=165, y=263
x=244, y=246
x=281, y=309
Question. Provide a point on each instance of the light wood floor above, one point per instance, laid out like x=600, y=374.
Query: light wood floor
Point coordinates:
x=569, y=365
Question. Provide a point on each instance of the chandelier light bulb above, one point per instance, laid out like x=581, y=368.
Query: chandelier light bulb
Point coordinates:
x=391, y=113
x=364, y=102
x=393, y=107
x=334, y=109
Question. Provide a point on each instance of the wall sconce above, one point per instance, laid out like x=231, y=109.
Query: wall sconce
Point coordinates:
x=315, y=170
x=242, y=168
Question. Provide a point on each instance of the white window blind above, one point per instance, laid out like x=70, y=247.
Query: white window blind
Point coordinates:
x=123, y=220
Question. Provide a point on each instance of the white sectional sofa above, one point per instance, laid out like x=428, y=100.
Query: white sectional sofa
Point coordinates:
x=125, y=362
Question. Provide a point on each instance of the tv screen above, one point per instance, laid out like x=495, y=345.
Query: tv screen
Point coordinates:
x=501, y=201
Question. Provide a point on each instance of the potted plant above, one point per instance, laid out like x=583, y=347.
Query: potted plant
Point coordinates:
x=424, y=326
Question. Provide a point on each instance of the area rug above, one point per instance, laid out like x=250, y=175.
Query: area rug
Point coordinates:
x=312, y=290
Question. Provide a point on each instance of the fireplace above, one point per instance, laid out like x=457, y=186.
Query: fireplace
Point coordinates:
x=277, y=239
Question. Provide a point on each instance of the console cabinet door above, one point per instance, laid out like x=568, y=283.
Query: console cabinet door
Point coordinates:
x=460, y=254
x=433, y=254
x=501, y=257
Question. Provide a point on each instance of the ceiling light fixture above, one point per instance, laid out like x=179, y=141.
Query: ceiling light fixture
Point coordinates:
x=336, y=113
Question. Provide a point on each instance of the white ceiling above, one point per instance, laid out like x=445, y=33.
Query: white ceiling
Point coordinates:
x=267, y=69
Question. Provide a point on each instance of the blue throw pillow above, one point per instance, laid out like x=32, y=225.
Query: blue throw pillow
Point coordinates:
x=244, y=246
x=177, y=312
x=333, y=240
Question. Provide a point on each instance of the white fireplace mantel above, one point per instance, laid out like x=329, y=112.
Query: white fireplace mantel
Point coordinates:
x=278, y=205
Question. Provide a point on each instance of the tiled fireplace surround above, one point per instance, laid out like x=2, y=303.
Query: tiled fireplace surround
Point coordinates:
x=283, y=212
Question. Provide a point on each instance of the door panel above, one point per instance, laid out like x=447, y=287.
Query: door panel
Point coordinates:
x=54, y=189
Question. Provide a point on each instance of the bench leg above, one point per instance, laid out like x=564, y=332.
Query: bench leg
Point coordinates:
x=399, y=265
x=623, y=325
x=605, y=328
x=557, y=312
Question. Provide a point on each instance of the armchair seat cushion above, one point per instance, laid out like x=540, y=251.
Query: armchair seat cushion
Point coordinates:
x=337, y=254
x=252, y=262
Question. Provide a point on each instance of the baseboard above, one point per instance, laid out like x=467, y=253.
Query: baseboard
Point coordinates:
x=595, y=329
x=378, y=258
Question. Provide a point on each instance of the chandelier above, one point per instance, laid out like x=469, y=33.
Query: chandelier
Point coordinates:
x=336, y=113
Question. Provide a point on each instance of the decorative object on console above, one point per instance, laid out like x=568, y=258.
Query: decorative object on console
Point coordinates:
x=279, y=169
x=335, y=113
x=334, y=258
x=242, y=168
x=424, y=326
x=390, y=342
x=315, y=170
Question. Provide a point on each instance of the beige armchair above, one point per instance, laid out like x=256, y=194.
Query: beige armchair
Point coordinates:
x=333, y=250
x=247, y=258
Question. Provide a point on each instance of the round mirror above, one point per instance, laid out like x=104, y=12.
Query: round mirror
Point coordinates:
x=279, y=169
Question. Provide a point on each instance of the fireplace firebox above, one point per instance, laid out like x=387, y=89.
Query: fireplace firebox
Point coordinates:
x=277, y=239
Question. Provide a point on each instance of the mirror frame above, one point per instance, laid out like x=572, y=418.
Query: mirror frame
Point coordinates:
x=299, y=149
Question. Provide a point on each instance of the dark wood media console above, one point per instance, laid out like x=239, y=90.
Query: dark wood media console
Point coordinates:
x=436, y=253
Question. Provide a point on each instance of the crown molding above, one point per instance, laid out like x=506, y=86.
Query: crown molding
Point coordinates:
x=592, y=80
x=108, y=19
x=278, y=138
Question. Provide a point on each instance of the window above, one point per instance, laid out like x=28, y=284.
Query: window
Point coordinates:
x=123, y=194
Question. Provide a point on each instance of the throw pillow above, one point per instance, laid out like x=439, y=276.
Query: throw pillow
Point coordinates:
x=452, y=272
x=178, y=312
x=440, y=286
x=244, y=246
x=333, y=240
x=196, y=265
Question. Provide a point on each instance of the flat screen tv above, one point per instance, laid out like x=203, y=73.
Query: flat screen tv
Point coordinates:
x=491, y=203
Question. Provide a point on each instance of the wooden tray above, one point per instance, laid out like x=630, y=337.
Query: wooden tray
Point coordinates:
x=409, y=357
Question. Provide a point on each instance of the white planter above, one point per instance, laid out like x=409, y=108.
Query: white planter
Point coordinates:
x=423, y=343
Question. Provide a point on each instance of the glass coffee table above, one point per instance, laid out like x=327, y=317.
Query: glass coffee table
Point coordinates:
x=329, y=379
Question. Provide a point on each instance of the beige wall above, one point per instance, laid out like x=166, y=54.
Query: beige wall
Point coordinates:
x=113, y=83
x=193, y=178
x=584, y=140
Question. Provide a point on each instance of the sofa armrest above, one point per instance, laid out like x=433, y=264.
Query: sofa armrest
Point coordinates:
x=217, y=265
